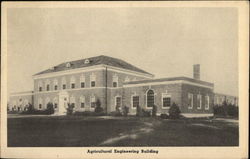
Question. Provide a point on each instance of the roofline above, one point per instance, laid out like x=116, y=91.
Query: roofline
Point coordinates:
x=91, y=68
x=183, y=80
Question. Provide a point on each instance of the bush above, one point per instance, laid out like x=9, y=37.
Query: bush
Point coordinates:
x=98, y=108
x=164, y=116
x=145, y=113
x=138, y=110
x=225, y=110
x=50, y=108
x=115, y=113
x=125, y=110
x=154, y=110
x=88, y=113
x=174, y=111
x=70, y=109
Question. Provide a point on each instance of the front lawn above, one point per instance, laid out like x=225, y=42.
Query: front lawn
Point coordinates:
x=77, y=131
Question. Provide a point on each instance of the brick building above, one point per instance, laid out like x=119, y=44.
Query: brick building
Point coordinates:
x=115, y=83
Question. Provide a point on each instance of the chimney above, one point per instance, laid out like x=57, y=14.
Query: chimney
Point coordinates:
x=196, y=72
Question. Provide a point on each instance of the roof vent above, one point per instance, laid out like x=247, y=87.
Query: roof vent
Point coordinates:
x=86, y=61
x=52, y=68
x=68, y=65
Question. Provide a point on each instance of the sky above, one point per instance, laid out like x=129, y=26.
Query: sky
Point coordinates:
x=163, y=41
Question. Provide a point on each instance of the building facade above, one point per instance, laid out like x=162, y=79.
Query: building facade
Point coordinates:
x=115, y=83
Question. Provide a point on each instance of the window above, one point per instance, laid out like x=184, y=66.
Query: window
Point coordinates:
x=92, y=102
x=64, y=86
x=82, y=81
x=118, y=102
x=92, y=83
x=47, y=85
x=40, y=88
x=92, y=80
x=63, y=83
x=72, y=101
x=135, y=101
x=199, y=100
x=206, y=102
x=82, y=102
x=40, y=103
x=82, y=84
x=150, y=98
x=190, y=101
x=68, y=65
x=72, y=81
x=55, y=84
x=55, y=101
x=115, y=80
x=166, y=100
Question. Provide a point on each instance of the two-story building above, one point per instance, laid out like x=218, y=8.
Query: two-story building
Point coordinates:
x=115, y=83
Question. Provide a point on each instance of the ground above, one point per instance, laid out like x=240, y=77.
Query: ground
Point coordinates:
x=77, y=131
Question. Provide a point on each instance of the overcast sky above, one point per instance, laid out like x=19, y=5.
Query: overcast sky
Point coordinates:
x=163, y=41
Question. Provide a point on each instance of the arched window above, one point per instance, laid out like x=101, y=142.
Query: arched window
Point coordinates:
x=92, y=80
x=92, y=102
x=115, y=80
x=72, y=101
x=82, y=81
x=55, y=102
x=82, y=102
x=72, y=82
x=55, y=84
x=47, y=85
x=63, y=83
x=150, y=98
x=40, y=87
x=40, y=103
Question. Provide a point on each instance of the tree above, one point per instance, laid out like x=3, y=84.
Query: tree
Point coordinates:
x=174, y=111
x=70, y=109
x=50, y=108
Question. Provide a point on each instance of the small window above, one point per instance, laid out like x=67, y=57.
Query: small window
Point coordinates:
x=118, y=102
x=64, y=86
x=68, y=65
x=55, y=87
x=72, y=85
x=86, y=61
x=114, y=84
x=40, y=106
x=47, y=87
x=190, y=101
x=150, y=98
x=135, y=101
x=82, y=105
x=92, y=83
x=40, y=89
x=73, y=105
x=82, y=84
x=55, y=105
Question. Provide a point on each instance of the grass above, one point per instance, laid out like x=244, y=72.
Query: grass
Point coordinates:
x=77, y=131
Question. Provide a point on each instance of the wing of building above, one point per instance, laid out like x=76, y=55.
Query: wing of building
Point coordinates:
x=115, y=83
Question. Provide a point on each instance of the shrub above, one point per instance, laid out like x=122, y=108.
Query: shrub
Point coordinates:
x=145, y=113
x=138, y=110
x=174, y=111
x=225, y=110
x=154, y=110
x=88, y=113
x=70, y=109
x=125, y=110
x=98, y=108
x=164, y=116
x=50, y=108
x=115, y=113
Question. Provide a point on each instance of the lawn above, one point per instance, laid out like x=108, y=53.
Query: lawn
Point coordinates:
x=77, y=131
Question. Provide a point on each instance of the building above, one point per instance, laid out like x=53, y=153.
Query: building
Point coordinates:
x=220, y=98
x=115, y=83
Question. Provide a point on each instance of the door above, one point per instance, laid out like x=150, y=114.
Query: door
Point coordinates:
x=63, y=102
